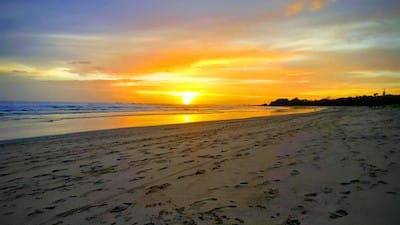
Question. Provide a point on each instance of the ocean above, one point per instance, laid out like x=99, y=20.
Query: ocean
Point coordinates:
x=33, y=119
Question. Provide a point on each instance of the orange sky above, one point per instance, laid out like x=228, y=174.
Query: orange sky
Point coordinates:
x=228, y=52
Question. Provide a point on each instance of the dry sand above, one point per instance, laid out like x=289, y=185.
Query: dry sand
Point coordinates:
x=337, y=166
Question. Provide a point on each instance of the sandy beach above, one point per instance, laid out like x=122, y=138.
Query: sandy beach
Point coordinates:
x=336, y=166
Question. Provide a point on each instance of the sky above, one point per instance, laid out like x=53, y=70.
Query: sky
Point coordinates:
x=197, y=51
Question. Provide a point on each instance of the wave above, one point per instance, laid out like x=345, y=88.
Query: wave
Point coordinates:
x=34, y=108
x=55, y=111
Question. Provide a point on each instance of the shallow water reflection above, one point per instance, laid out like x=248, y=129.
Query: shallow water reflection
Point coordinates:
x=61, y=124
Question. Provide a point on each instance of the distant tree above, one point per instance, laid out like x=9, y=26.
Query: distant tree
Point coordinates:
x=364, y=100
x=281, y=101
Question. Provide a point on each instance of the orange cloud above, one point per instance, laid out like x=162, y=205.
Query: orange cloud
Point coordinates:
x=294, y=8
x=316, y=4
x=186, y=59
x=297, y=6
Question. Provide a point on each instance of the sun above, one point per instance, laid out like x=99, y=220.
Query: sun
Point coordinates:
x=187, y=97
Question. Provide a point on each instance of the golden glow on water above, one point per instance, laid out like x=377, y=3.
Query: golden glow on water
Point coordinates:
x=186, y=118
x=162, y=118
x=101, y=121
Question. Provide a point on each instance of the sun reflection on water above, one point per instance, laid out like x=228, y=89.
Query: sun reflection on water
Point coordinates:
x=186, y=118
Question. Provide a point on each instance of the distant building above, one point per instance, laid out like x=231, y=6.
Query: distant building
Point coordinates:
x=384, y=92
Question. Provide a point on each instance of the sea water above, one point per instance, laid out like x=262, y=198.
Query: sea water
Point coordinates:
x=33, y=119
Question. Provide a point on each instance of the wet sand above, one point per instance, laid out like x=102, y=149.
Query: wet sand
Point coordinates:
x=336, y=166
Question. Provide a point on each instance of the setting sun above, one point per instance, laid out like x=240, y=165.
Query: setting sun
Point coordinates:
x=186, y=96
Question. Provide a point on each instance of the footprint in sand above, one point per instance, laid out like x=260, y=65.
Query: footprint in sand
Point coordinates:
x=292, y=222
x=338, y=214
x=156, y=188
x=309, y=197
x=203, y=202
x=294, y=172
x=300, y=209
x=137, y=178
x=163, y=168
x=120, y=208
x=34, y=213
x=198, y=172
x=311, y=194
x=327, y=190
x=241, y=184
x=50, y=207
x=271, y=193
x=345, y=192
x=154, y=205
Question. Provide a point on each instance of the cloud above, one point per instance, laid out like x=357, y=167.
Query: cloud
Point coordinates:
x=80, y=62
x=184, y=58
x=54, y=73
x=299, y=5
x=294, y=8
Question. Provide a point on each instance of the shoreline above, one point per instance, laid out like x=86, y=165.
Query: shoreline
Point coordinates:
x=311, y=168
x=6, y=141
